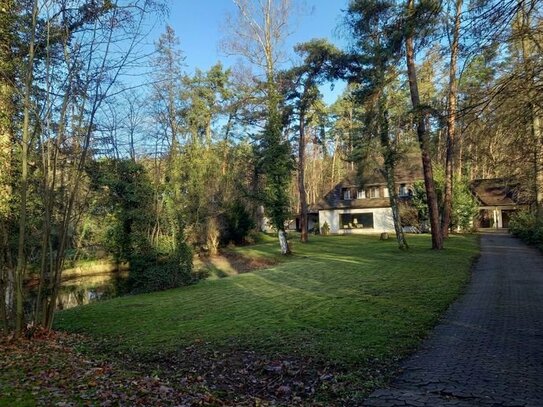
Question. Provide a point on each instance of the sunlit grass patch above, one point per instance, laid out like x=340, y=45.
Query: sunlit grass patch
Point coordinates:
x=345, y=300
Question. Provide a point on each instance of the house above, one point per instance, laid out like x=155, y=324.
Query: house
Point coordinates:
x=498, y=199
x=360, y=203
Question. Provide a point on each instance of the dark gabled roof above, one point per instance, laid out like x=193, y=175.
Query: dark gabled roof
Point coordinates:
x=497, y=192
x=408, y=170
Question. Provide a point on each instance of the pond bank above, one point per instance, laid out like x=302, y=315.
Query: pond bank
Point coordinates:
x=90, y=281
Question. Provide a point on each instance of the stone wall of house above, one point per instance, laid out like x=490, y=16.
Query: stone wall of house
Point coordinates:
x=382, y=221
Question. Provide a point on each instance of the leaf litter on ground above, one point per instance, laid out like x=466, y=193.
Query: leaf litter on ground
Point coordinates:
x=50, y=370
x=64, y=370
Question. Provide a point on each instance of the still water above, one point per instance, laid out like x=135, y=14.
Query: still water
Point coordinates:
x=84, y=285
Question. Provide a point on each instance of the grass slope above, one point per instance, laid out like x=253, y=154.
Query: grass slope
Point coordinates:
x=347, y=299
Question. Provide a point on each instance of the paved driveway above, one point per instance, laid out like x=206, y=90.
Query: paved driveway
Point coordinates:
x=488, y=349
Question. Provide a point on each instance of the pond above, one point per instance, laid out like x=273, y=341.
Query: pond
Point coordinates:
x=83, y=285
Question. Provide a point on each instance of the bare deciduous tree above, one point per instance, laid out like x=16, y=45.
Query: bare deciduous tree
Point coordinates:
x=257, y=33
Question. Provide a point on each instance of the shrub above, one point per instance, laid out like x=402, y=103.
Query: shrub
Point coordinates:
x=165, y=274
x=526, y=226
x=151, y=272
x=464, y=206
x=236, y=224
x=409, y=214
x=325, y=230
x=212, y=236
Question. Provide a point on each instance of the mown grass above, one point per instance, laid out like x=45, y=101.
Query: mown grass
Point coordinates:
x=15, y=398
x=343, y=299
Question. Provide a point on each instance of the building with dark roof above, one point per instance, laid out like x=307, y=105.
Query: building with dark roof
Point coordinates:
x=360, y=202
x=498, y=200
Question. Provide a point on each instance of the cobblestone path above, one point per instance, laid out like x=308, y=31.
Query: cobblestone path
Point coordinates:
x=488, y=349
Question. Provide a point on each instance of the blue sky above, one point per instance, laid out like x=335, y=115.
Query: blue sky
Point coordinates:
x=199, y=24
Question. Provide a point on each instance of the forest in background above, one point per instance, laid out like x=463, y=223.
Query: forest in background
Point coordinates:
x=93, y=165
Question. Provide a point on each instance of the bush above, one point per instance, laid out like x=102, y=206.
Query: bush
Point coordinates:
x=526, y=226
x=409, y=214
x=212, y=236
x=236, y=224
x=165, y=274
x=325, y=230
x=150, y=272
x=464, y=206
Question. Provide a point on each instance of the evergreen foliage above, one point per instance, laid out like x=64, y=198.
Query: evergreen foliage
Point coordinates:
x=464, y=206
x=129, y=221
x=237, y=223
x=186, y=162
x=276, y=163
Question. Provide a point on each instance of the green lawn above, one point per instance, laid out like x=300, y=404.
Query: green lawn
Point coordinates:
x=345, y=299
x=353, y=305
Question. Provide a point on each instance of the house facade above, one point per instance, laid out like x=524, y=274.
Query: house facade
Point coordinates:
x=360, y=203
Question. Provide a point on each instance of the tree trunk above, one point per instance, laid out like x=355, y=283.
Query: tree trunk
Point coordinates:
x=283, y=242
x=50, y=170
x=227, y=130
x=7, y=110
x=301, y=179
x=433, y=209
x=351, y=161
x=334, y=154
x=451, y=125
x=390, y=164
x=460, y=158
x=21, y=260
x=536, y=142
x=538, y=163
x=393, y=198
x=6, y=274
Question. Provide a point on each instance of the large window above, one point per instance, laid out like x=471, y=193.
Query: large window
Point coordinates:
x=356, y=220
x=346, y=194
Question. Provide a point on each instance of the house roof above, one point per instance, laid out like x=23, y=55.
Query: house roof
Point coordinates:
x=497, y=192
x=407, y=170
x=489, y=192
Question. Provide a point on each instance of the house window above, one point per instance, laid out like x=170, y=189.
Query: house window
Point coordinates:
x=374, y=192
x=385, y=192
x=361, y=194
x=356, y=220
x=346, y=193
x=403, y=190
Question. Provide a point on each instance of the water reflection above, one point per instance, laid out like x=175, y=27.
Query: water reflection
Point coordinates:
x=83, y=286
x=87, y=290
